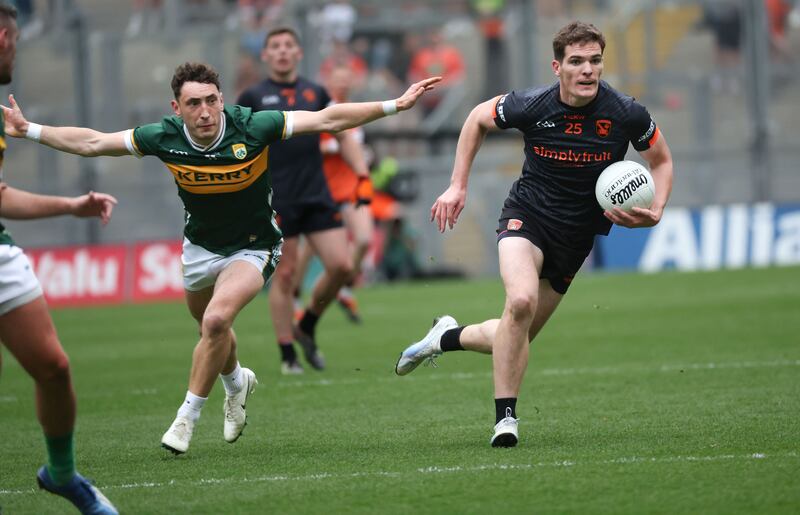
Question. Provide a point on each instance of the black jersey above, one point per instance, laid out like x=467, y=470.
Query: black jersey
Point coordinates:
x=566, y=148
x=296, y=163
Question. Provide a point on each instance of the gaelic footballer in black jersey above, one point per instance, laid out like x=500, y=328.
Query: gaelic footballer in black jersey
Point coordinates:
x=566, y=149
x=302, y=199
x=553, y=204
x=572, y=131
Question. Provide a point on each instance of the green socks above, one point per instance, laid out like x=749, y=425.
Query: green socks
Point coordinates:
x=60, y=458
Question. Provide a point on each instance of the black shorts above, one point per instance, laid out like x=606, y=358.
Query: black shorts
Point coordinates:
x=564, y=252
x=308, y=218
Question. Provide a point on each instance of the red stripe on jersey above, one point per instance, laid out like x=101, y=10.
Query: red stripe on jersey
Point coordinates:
x=494, y=107
x=654, y=138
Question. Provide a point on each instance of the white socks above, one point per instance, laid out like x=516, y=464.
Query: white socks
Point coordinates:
x=193, y=404
x=233, y=381
x=191, y=407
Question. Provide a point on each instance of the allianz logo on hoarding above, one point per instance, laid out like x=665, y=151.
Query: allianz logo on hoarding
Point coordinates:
x=716, y=237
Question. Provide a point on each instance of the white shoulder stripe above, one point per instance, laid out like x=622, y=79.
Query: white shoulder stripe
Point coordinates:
x=128, y=135
x=289, y=129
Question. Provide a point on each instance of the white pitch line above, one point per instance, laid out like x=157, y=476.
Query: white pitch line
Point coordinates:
x=321, y=382
x=450, y=376
x=671, y=367
x=625, y=460
x=741, y=364
x=630, y=460
x=441, y=375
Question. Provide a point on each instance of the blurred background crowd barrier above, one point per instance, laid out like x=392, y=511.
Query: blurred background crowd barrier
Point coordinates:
x=719, y=77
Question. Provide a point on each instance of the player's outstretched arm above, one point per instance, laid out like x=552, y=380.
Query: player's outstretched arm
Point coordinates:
x=448, y=206
x=75, y=140
x=22, y=205
x=339, y=117
x=659, y=159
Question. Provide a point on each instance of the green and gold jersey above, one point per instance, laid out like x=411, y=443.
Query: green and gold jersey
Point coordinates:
x=5, y=236
x=225, y=187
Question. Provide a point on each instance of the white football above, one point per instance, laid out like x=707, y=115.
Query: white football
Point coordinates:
x=625, y=184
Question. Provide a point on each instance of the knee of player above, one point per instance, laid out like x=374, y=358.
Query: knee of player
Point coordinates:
x=521, y=306
x=284, y=276
x=215, y=324
x=341, y=268
x=54, y=369
x=362, y=242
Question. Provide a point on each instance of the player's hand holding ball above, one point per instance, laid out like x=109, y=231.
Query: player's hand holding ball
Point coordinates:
x=625, y=190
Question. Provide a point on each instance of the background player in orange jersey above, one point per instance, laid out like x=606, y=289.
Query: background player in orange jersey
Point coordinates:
x=353, y=194
x=301, y=199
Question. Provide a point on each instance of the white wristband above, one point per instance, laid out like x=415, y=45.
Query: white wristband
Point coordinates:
x=34, y=131
x=389, y=107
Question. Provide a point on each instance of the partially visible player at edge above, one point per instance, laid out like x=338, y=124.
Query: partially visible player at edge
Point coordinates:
x=26, y=327
x=302, y=198
x=350, y=192
x=572, y=131
x=218, y=156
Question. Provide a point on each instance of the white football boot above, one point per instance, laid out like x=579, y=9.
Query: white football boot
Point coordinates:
x=505, y=433
x=291, y=368
x=178, y=436
x=234, y=407
x=427, y=348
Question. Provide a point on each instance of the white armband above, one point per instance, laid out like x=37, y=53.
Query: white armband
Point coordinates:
x=389, y=107
x=34, y=132
x=288, y=127
x=130, y=144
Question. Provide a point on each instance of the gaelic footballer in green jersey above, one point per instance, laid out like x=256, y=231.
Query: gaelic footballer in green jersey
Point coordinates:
x=219, y=158
x=5, y=236
x=225, y=186
x=26, y=325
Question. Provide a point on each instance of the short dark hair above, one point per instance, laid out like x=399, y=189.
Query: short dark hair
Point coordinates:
x=7, y=12
x=283, y=29
x=193, y=72
x=576, y=32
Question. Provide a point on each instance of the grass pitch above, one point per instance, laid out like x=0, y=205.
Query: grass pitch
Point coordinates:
x=670, y=393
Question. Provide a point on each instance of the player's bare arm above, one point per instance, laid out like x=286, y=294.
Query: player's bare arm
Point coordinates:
x=659, y=160
x=339, y=117
x=448, y=206
x=352, y=153
x=75, y=140
x=22, y=205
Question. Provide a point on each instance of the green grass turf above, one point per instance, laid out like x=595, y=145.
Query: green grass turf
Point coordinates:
x=669, y=393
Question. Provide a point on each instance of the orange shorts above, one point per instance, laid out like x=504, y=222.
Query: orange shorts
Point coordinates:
x=342, y=180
